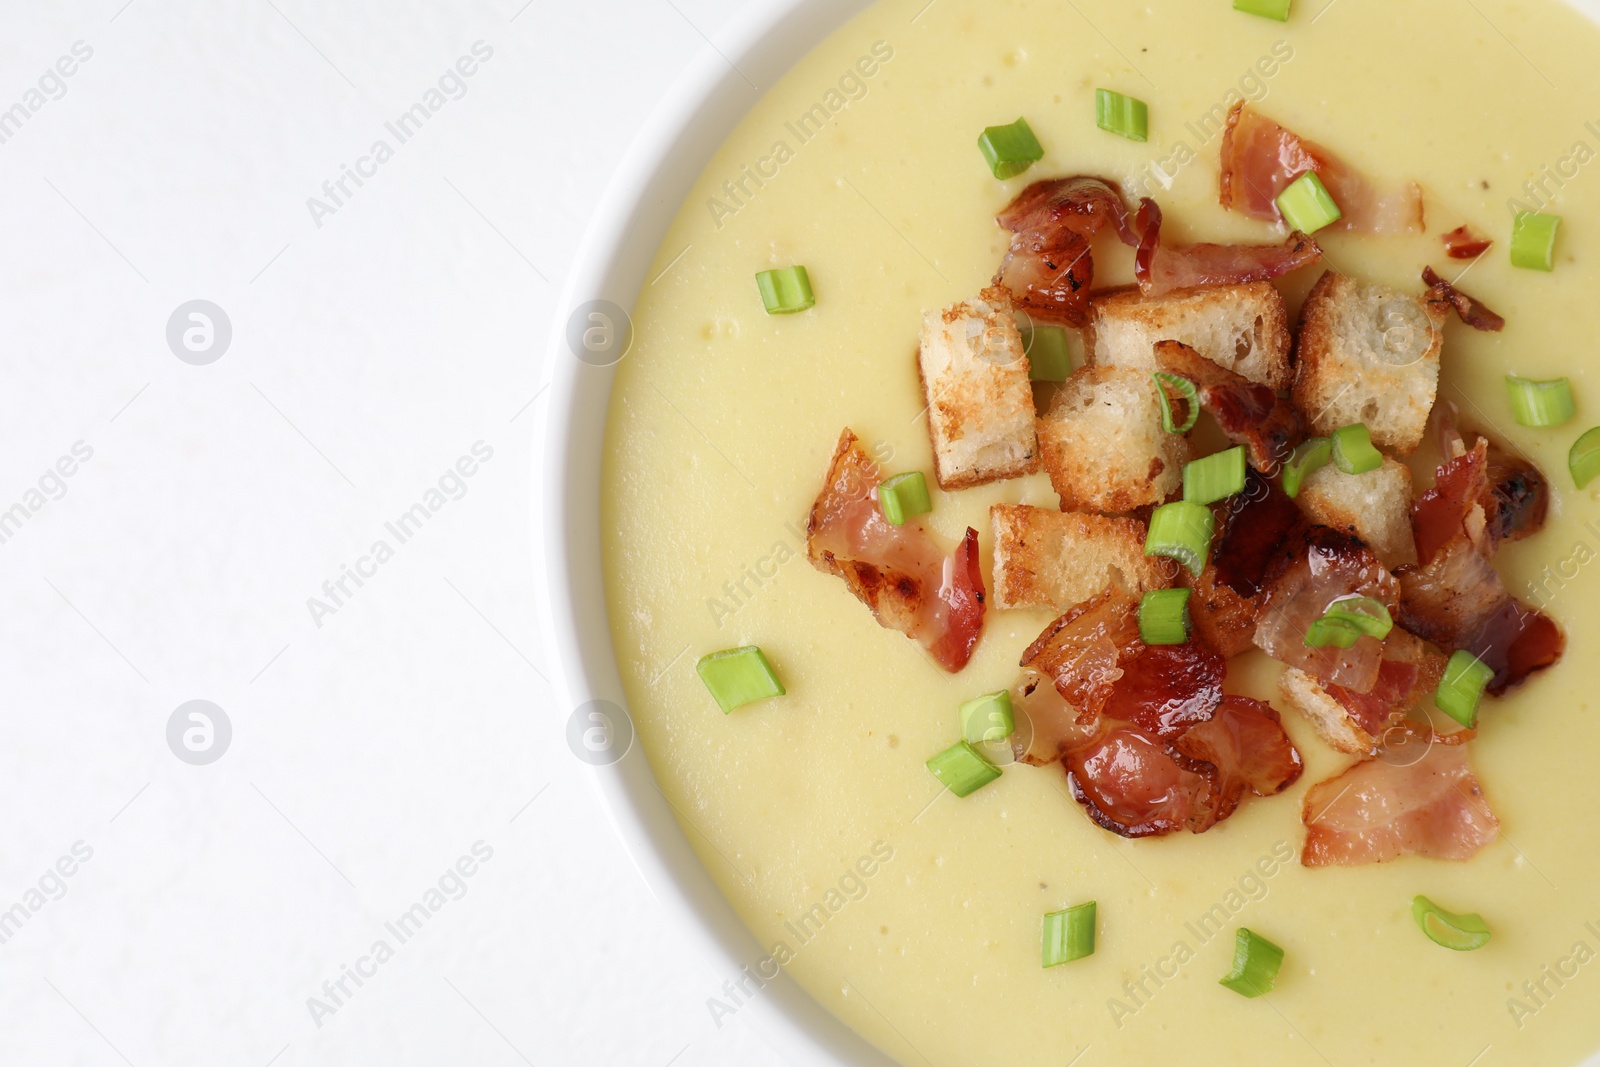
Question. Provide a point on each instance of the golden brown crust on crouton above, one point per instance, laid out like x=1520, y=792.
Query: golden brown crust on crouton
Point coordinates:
x=1368, y=354
x=1332, y=721
x=1103, y=446
x=974, y=377
x=1374, y=507
x=1244, y=328
x=1057, y=560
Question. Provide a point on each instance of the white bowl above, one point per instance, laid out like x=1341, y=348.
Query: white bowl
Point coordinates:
x=640, y=203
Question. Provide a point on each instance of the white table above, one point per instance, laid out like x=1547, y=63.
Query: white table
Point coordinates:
x=377, y=734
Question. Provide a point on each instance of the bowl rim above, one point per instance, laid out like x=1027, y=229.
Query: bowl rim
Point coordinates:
x=638, y=205
x=644, y=195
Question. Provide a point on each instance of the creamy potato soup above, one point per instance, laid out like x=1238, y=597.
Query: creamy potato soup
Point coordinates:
x=916, y=915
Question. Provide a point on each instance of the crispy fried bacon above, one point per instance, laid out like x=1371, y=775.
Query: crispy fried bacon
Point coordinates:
x=1260, y=159
x=1249, y=414
x=1321, y=567
x=1453, y=597
x=1049, y=267
x=1471, y=312
x=1254, y=529
x=1149, y=742
x=897, y=571
x=1378, y=810
x=1462, y=243
x=1409, y=671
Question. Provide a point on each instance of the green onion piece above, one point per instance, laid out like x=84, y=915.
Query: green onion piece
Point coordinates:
x=1069, y=934
x=905, y=496
x=1325, y=632
x=1364, y=614
x=1309, y=455
x=1465, y=678
x=1267, y=9
x=1534, y=403
x=1255, y=964
x=739, y=676
x=1164, y=617
x=987, y=718
x=1010, y=150
x=1214, y=478
x=1182, y=531
x=1122, y=115
x=1584, y=459
x=1352, y=450
x=1460, y=932
x=1191, y=401
x=1046, y=348
x=1307, y=206
x=786, y=290
x=1533, y=240
x=962, y=769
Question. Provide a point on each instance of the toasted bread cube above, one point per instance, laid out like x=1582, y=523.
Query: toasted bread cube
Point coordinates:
x=980, y=401
x=1368, y=354
x=1332, y=720
x=1058, y=559
x=1103, y=446
x=1244, y=328
x=1374, y=507
x=1219, y=616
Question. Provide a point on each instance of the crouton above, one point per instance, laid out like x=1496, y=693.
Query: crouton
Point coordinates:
x=1332, y=720
x=1368, y=354
x=1244, y=328
x=1057, y=560
x=1374, y=507
x=974, y=376
x=1103, y=446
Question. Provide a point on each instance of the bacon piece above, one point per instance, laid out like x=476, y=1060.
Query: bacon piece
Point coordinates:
x=1378, y=810
x=1049, y=268
x=1408, y=673
x=1471, y=311
x=1047, y=726
x=897, y=571
x=1324, y=566
x=1246, y=744
x=1462, y=243
x=1453, y=597
x=1260, y=159
x=1162, y=268
x=1249, y=414
x=1084, y=651
x=1167, y=689
x=1257, y=528
x=1137, y=787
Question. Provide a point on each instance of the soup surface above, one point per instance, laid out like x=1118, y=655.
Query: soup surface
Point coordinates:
x=913, y=915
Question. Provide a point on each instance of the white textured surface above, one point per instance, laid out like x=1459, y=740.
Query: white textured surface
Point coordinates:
x=368, y=354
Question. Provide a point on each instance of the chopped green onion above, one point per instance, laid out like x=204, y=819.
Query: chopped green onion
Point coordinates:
x=1164, y=617
x=1046, y=348
x=1533, y=240
x=1465, y=678
x=962, y=769
x=1010, y=150
x=1460, y=932
x=905, y=496
x=786, y=290
x=1214, y=478
x=987, y=718
x=738, y=676
x=1069, y=934
x=1122, y=115
x=1540, y=403
x=1191, y=401
x=1352, y=450
x=1308, y=456
x=1307, y=206
x=1182, y=531
x=1364, y=614
x=1584, y=459
x=1325, y=632
x=1267, y=9
x=1255, y=964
